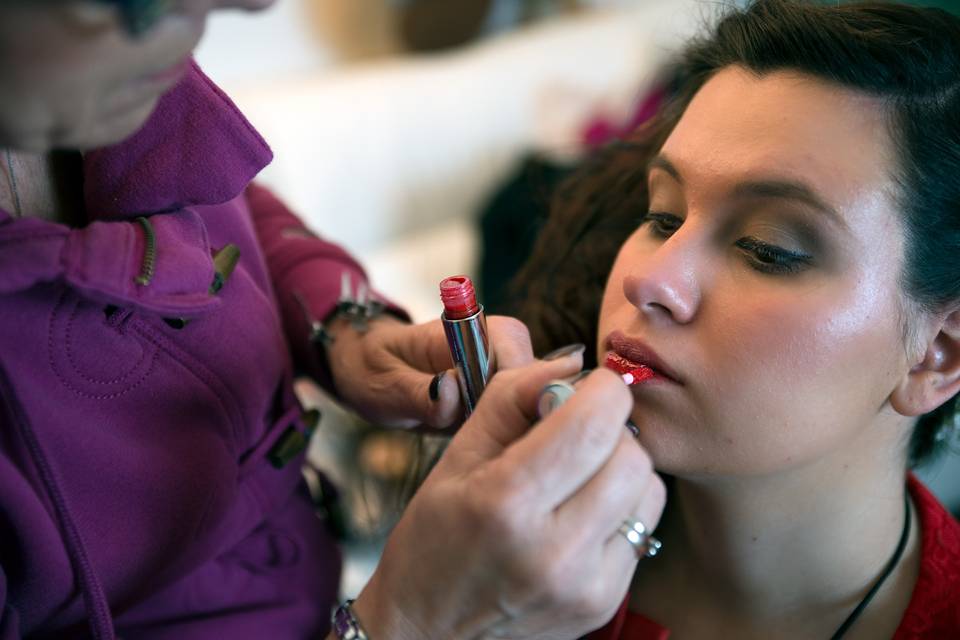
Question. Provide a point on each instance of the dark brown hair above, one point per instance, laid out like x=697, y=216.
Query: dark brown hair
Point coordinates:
x=909, y=57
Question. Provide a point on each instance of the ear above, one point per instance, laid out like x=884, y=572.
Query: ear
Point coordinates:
x=936, y=378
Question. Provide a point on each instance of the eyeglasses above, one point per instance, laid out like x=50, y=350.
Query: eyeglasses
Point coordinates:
x=139, y=16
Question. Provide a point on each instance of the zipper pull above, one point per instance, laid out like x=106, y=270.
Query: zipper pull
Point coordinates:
x=224, y=262
x=149, y=264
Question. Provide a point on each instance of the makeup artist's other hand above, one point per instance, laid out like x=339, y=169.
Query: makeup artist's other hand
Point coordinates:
x=390, y=373
x=514, y=533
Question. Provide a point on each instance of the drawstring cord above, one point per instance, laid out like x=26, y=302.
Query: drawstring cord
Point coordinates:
x=95, y=600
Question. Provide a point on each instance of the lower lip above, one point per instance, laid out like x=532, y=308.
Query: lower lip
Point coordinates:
x=656, y=378
x=621, y=365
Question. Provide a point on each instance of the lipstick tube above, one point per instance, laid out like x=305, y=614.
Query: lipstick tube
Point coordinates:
x=556, y=392
x=466, y=329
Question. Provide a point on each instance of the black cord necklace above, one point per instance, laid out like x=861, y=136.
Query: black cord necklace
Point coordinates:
x=891, y=565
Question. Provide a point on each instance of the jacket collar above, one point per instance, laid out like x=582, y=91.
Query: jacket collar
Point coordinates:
x=195, y=149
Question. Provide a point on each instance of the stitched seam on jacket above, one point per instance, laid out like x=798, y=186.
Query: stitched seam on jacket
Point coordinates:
x=77, y=369
x=230, y=405
x=68, y=384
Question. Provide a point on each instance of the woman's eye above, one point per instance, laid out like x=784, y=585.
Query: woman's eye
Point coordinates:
x=769, y=258
x=662, y=225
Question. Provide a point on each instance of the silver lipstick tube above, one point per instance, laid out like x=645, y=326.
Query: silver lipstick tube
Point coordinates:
x=472, y=358
x=556, y=392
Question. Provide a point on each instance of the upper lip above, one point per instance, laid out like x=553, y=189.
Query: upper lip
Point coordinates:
x=637, y=351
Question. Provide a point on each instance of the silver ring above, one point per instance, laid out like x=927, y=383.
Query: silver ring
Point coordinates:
x=636, y=534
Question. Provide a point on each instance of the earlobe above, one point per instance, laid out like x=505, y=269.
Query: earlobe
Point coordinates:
x=935, y=379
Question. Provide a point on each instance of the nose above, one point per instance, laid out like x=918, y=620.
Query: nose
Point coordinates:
x=664, y=286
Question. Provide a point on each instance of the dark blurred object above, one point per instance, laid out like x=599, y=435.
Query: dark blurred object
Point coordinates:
x=953, y=6
x=433, y=25
x=509, y=225
x=355, y=30
x=511, y=221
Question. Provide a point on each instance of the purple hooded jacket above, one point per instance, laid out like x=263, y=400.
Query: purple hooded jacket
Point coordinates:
x=136, y=499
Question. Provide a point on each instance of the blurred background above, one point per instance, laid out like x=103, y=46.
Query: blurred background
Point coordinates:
x=396, y=122
x=425, y=136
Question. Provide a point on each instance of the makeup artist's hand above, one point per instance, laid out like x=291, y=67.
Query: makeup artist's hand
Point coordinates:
x=398, y=374
x=514, y=533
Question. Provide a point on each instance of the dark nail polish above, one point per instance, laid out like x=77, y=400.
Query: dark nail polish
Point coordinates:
x=435, y=386
x=633, y=429
x=563, y=352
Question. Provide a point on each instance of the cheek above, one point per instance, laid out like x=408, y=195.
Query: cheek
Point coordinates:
x=825, y=334
x=794, y=376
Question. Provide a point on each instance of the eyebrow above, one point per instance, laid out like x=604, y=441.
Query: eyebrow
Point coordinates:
x=774, y=188
x=661, y=161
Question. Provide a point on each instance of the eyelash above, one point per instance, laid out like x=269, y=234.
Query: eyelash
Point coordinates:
x=762, y=256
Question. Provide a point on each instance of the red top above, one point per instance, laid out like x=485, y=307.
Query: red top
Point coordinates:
x=934, y=609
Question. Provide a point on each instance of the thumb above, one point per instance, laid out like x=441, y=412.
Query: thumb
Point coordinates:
x=510, y=342
x=436, y=399
x=411, y=398
x=506, y=410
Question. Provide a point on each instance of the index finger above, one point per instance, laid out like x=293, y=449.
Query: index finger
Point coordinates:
x=510, y=342
x=505, y=412
x=564, y=451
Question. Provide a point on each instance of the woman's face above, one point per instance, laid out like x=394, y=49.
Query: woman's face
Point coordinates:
x=72, y=77
x=765, y=277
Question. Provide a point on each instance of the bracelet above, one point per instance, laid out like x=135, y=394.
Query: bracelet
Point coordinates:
x=356, y=306
x=345, y=623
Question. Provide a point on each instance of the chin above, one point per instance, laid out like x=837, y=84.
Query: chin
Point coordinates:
x=667, y=452
x=678, y=452
x=109, y=131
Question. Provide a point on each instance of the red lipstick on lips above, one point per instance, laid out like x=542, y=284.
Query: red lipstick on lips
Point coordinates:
x=631, y=373
x=634, y=359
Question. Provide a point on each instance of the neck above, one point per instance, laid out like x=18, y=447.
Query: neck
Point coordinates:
x=809, y=542
x=43, y=185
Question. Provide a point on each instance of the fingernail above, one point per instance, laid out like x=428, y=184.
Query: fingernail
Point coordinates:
x=435, y=386
x=633, y=429
x=563, y=352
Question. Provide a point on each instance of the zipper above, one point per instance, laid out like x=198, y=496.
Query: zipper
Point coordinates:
x=149, y=255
